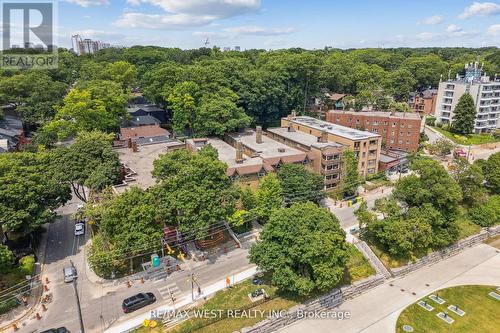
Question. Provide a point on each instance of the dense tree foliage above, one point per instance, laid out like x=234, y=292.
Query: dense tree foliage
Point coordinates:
x=470, y=178
x=422, y=213
x=195, y=194
x=491, y=171
x=88, y=163
x=128, y=225
x=269, y=197
x=441, y=147
x=30, y=191
x=487, y=213
x=299, y=184
x=465, y=115
x=350, y=176
x=6, y=259
x=303, y=248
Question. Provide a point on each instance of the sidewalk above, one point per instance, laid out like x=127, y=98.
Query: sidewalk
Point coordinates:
x=186, y=300
x=15, y=316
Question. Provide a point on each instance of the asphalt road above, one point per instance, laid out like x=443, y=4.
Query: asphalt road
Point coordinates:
x=101, y=305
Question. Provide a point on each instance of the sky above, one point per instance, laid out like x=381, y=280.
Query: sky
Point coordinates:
x=274, y=24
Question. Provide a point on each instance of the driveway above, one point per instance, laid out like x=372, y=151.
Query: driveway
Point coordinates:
x=377, y=310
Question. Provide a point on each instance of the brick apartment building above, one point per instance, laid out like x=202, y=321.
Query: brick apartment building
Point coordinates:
x=399, y=130
x=366, y=145
x=423, y=103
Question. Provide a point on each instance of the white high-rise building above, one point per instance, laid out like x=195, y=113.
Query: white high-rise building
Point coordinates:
x=484, y=92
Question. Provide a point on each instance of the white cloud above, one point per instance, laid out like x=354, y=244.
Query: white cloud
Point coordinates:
x=155, y=21
x=494, y=30
x=259, y=31
x=88, y=3
x=432, y=20
x=425, y=36
x=185, y=13
x=453, y=28
x=203, y=33
x=481, y=9
x=100, y=34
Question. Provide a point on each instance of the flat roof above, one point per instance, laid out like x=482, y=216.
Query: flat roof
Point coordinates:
x=269, y=148
x=388, y=114
x=302, y=138
x=227, y=153
x=141, y=162
x=334, y=129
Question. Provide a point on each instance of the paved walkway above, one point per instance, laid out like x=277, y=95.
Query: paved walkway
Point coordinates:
x=377, y=310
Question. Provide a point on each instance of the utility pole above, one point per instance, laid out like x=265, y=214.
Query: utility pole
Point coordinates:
x=79, y=309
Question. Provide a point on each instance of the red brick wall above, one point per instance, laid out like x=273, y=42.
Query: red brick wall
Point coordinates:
x=398, y=133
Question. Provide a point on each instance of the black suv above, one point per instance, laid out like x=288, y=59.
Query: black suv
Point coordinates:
x=138, y=301
x=56, y=330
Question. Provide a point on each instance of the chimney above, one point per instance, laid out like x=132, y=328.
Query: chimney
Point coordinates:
x=294, y=114
x=258, y=134
x=324, y=137
x=239, y=152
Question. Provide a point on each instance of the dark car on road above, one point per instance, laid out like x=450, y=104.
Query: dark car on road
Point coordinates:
x=138, y=301
x=56, y=330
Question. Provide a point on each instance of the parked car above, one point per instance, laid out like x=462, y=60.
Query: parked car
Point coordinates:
x=69, y=274
x=79, y=229
x=56, y=330
x=257, y=293
x=138, y=301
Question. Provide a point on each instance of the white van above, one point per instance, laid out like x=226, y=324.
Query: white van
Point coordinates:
x=69, y=274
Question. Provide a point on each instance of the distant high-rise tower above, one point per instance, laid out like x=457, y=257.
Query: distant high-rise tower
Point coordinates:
x=237, y=48
x=76, y=43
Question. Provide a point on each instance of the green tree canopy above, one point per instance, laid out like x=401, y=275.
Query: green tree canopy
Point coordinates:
x=195, y=194
x=269, y=197
x=465, y=115
x=299, y=184
x=491, y=171
x=30, y=192
x=303, y=248
x=350, y=176
x=6, y=259
x=89, y=162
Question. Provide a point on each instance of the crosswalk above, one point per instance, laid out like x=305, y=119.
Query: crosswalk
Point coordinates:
x=168, y=290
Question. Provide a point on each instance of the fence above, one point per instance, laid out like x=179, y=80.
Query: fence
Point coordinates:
x=325, y=302
x=447, y=252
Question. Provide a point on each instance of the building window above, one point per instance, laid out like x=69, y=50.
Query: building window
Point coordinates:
x=371, y=162
x=410, y=126
x=393, y=124
x=393, y=133
x=338, y=119
x=402, y=125
x=392, y=140
x=373, y=142
x=363, y=155
x=375, y=130
x=367, y=122
x=371, y=170
x=336, y=156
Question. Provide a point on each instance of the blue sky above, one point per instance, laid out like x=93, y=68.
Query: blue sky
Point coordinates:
x=272, y=24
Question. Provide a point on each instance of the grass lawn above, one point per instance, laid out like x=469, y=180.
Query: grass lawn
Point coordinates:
x=471, y=139
x=237, y=298
x=358, y=267
x=494, y=241
x=481, y=312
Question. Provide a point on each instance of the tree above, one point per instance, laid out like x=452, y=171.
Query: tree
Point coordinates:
x=120, y=72
x=465, y=115
x=486, y=214
x=128, y=225
x=299, y=184
x=441, y=147
x=470, y=178
x=350, y=177
x=303, y=248
x=402, y=237
x=84, y=112
x=432, y=185
x=170, y=164
x=269, y=197
x=195, y=195
x=400, y=83
x=387, y=206
x=184, y=100
x=491, y=171
x=89, y=162
x=6, y=259
x=35, y=94
x=30, y=191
